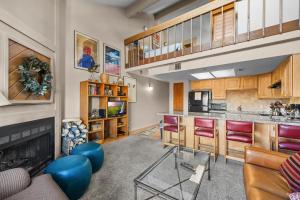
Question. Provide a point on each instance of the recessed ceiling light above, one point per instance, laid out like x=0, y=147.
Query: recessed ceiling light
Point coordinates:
x=204, y=75
x=224, y=73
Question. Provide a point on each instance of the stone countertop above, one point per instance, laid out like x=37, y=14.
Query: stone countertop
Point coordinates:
x=242, y=116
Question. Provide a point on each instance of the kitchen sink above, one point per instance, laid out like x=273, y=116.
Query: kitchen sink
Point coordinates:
x=264, y=114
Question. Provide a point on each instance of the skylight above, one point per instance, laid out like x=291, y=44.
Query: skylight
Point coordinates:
x=223, y=73
x=202, y=76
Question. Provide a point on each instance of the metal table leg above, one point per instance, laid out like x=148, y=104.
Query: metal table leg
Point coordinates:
x=208, y=167
x=135, y=191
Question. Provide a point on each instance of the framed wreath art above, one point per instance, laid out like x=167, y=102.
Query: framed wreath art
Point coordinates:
x=29, y=74
x=35, y=76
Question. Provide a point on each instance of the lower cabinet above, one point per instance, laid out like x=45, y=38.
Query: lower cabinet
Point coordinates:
x=264, y=132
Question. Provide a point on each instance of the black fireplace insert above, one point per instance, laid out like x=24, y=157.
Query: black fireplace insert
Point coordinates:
x=29, y=145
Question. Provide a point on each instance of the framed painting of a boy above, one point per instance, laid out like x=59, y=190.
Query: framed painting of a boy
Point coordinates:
x=86, y=51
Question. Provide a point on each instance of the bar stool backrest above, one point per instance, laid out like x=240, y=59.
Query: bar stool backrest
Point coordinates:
x=289, y=131
x=239, y=126
x=204, y=123
x=171, y=120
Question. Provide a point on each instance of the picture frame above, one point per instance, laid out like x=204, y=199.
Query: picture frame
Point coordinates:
x=17, y=50
x=113, y=79
x=86, y=51
x=132, y=88
x=111, y=60
x=155, y=41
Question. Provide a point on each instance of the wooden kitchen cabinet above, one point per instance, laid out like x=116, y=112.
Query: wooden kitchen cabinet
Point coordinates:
x=287, y=78
x=296, y=75
x=232, y=83
x=201, y=85
x=218, y=89
x=276, y=74
x=263, y=134
x=249, y=82
x=264, y=81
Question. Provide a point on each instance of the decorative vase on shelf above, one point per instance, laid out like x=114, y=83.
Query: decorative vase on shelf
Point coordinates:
x=120, y=81
x=104, y=78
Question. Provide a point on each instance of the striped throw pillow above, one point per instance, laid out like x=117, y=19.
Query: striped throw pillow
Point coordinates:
x=295, y=196
x=290, y=169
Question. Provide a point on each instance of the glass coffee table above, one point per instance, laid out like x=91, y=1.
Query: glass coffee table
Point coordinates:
x=177, y=175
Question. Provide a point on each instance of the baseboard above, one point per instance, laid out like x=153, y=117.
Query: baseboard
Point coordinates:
x=137, y=131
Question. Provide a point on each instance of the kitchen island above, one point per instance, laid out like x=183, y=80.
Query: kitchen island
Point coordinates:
x=264, y=128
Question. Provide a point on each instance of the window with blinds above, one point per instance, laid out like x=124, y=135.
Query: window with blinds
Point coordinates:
x=223, y=26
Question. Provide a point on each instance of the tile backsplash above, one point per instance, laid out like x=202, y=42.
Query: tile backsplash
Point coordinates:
x=248, y=100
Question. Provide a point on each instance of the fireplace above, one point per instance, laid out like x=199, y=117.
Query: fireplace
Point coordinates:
x=29, y=145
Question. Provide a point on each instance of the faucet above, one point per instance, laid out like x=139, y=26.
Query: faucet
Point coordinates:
x=239, y=108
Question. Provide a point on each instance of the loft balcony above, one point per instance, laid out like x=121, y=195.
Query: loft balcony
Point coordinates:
x=217, y=24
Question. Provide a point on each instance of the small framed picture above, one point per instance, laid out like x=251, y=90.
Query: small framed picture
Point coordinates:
x=112, y=60
x=131, y=83
x=156, y=41
x=86, y=51
x=113, y=79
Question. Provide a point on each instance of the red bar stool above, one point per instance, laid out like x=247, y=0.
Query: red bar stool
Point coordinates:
x=171, y=124
x=287, y=138
x=206, y=128
x=240, y=132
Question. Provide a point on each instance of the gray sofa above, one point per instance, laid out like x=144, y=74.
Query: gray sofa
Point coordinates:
x=15, y=184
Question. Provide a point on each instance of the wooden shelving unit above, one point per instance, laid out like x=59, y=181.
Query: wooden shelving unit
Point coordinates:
x=95, y=96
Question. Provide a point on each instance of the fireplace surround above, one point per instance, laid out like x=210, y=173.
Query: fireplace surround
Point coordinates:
x=29, y=145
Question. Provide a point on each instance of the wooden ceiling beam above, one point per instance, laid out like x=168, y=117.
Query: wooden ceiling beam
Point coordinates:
x=138, y=7
x=172, y=8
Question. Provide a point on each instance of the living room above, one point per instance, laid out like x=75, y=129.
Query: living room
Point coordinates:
x=99, y=99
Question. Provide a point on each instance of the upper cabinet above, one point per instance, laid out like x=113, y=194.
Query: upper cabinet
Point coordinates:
x=201, y=85
x=286, y=76
x=296, y=75
x=249, y=82
x=283, y=74
x=218, y=89
x=264, y=81
x=276, y=74
x=232, y=83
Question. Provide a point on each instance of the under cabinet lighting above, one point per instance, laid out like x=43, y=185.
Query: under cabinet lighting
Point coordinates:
x=204, y=75
x=223, y=73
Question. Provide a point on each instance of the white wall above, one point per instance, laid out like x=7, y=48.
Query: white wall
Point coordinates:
x=38, y=15
x=149, y=102
x=108, y=25
x=37, y=20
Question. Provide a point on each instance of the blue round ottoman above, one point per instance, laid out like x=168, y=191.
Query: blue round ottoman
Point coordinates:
x=72, y=173
x=93, y=151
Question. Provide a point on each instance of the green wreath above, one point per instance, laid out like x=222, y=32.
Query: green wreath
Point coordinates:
x=35, y=76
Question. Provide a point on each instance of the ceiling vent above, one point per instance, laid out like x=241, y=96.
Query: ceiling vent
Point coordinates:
x=174, y=67
x=177, y=66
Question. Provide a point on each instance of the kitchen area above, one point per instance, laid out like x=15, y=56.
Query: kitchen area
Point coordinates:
x=265, y=99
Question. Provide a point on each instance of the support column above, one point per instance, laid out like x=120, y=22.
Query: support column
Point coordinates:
x=171, y=97
x=186, y=89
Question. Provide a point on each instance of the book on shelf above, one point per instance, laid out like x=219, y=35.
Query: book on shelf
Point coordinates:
x=93, y=89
